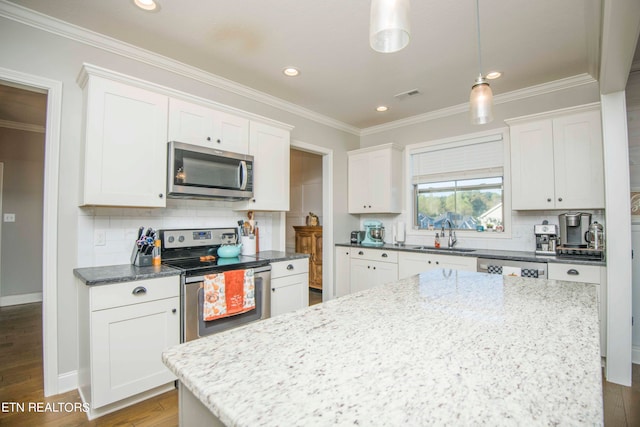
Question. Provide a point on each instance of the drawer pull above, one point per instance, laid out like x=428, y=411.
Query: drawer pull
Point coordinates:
x=384, y=255
x=360, y=253
x=290, y=267
x=140, y=290
x=573, y=272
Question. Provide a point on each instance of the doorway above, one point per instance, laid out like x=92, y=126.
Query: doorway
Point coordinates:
x=317, y=188
x=22, y=128
x=49, y=236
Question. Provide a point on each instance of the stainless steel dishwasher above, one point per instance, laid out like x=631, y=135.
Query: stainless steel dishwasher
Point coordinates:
x=503, y=266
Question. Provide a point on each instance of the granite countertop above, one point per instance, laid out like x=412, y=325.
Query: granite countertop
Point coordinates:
x=468, y=348
x=528, y=256
x=105, y=275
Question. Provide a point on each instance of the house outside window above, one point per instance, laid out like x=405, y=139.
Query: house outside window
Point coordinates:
x=459, y=183
x=463, y=204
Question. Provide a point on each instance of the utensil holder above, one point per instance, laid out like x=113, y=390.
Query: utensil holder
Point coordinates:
x=248, y=245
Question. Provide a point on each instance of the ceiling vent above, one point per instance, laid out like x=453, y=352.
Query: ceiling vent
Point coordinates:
x=407, y=94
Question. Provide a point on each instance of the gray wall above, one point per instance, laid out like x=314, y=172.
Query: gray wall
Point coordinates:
x=41, y=53
x=23, y=156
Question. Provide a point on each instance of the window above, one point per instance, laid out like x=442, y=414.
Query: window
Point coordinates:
x=465, y=203
x=459, y=183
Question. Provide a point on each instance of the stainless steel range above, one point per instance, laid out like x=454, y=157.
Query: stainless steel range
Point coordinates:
x=194, y=252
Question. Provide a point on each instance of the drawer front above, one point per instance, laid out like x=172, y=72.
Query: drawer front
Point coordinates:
x=139, y=291
x=287, y=268
x=374, y=254
x=574, y=272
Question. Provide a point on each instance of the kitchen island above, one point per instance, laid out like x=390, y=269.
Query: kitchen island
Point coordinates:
x=433, y=349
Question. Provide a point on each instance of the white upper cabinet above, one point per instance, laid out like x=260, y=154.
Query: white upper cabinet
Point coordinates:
x=556, y=160
x=270, y=147
x=375, y=180
x=207, y=127
x=125, y=145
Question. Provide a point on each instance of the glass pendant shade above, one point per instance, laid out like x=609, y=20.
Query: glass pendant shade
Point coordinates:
x=389, y=26
x=481, y=101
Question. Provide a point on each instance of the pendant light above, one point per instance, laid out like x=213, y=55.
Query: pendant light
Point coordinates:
x=389, y=25
x=481, y=98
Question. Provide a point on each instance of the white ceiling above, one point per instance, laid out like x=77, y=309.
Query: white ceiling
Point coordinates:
x=251, y=41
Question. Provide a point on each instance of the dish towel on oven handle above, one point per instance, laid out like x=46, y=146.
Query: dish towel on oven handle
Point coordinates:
x=227, y=294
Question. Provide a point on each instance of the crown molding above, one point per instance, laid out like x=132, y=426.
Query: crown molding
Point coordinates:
x=541, y=89
x=64, y=29
x=27, y=127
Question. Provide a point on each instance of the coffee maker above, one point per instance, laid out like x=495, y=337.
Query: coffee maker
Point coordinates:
x=546, y=238
x=373, y=233
x=573, y=229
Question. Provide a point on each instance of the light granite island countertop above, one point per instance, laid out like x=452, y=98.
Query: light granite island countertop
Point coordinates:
x=463, y=349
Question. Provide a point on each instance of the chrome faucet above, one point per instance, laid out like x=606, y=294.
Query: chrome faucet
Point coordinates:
x=452, y=240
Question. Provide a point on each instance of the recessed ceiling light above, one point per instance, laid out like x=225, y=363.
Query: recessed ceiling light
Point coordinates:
x=493, y=75
x=291, y=72
x=148, y=5
x=381, y=108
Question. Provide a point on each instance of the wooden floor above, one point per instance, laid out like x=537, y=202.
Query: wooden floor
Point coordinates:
x=21, y=381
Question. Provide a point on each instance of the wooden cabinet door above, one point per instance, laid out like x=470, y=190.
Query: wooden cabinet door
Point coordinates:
x=289, y=293
x=126, y=347
x=125, y=148
x=207, y=127
x=579, y=170
x=342, y=271
x=270, y=147
x=532, y=169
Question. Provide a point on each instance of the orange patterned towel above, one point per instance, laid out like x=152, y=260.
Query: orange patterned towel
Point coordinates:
x=228, y=293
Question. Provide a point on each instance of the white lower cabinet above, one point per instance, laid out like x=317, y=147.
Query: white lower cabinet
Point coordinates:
x=372, y=267
x=587, y=274
x=410, y=263
x=289, y=286
x=342, y=270
x=123, y=330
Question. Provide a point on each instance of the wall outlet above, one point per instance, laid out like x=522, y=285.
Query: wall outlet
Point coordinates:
x=99, y=238
x=9, y=217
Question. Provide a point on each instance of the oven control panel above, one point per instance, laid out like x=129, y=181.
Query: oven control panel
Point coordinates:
x=189, y=238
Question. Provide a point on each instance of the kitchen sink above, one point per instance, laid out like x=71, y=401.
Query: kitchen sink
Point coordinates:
x=441, y=248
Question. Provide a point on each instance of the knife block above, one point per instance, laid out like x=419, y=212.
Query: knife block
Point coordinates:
x=139, y=259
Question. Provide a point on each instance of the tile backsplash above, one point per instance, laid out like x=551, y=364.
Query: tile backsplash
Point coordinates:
x=120, y=226
x=521, y=237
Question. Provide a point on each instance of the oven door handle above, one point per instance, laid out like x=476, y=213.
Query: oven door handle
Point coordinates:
x=194, y=279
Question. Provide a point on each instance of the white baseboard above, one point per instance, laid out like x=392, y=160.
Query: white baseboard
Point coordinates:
x=20, y=299
x=67, y=382
x=635, y=354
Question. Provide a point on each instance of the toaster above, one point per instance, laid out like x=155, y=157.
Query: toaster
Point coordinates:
x=357, y=237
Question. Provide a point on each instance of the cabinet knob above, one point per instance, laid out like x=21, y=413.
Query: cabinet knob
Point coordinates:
x=140, y=290
x=429, y=261
x=559, y=199
x=174, y=311
x=208, y=138
x=290, y=267
x=219, y=141
x=160, y=195
x=364, y=206
x=549, y=199
x=273, y=289
x=573, y=272
x=374, y=267
x=437, y=262
x=368, y=266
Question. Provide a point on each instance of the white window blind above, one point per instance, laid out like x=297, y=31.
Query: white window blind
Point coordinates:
x=477, y=157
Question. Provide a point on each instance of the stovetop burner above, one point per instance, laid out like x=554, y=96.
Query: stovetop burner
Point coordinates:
x=194, y=251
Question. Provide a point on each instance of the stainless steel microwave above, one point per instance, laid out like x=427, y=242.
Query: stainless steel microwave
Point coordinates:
x=206, y=173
